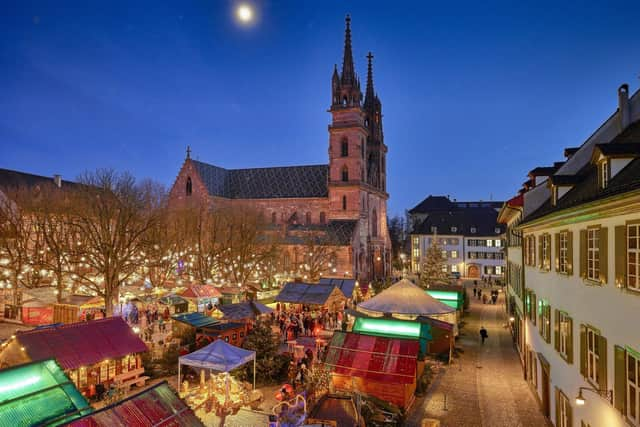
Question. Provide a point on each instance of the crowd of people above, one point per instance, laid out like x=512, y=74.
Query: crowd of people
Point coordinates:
x=306, y=322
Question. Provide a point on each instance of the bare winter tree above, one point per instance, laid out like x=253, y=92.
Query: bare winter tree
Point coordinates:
x=112, y=217
x=21, y=246
x=319, y=254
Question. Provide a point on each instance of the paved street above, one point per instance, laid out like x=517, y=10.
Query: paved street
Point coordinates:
x=485, y=386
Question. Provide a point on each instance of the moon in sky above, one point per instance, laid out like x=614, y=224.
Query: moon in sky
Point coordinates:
x=244, y=12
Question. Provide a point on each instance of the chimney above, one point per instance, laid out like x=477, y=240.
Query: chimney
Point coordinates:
x=57, y=180
x=623, y=106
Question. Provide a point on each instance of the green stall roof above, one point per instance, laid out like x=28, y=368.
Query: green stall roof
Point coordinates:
x=387, y=327
x=450, y=298
x=39, y=393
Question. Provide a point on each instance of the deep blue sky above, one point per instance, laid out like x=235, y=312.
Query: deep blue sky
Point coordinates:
x=474, y=94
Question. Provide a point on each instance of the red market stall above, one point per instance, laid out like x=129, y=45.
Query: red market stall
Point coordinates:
x=382, y=367
x=201, y=297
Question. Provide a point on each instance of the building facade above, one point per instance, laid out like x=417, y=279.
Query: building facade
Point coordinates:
x=345, y=199
x=579, y=250
x=468, y=234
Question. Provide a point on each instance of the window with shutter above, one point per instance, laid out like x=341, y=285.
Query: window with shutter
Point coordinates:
x=633, y=387
x=563, y=410
x=630, y=268
x=569, y=252
x=564, y=335
x=583, y=254
x=620, y=381
x=603, y=253
x=562, y=252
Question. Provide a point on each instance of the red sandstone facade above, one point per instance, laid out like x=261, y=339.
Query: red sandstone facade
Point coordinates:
x=347, y=196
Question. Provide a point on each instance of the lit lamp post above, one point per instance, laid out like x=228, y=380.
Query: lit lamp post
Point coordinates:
x=403, y=258
x=607, y=394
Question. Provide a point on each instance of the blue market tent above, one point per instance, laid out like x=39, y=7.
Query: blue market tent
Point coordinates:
x=218, y=356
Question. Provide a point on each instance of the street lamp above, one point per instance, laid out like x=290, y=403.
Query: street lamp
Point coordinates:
x=607, y=394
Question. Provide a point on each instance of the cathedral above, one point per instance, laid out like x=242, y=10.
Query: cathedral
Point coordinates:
x=345, y=200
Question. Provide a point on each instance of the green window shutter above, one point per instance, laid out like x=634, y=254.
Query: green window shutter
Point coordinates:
x=602, y=362
x=604, y=254
x=570, y=252
x=620, y=245
x=556, y=330
x=569, y=340
x=620, y=378
x=556, y=251
x=583, y=350
x=540, y=260
x=583, y=253
x=569, y=415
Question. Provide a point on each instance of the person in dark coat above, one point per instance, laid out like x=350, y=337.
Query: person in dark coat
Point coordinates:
x=483, y=334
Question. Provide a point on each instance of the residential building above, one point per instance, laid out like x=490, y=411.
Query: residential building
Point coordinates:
x=344, y=200
x=468, y=234
x=580, y=243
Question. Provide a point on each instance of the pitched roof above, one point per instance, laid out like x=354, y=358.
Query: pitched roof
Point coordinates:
x=484, y=220
x=265, y=183
x=585, y=181
x=374, y=358
x=197, y=320
x=347, y=286
x=619, y=149
x=83, y=343
x=306, y=293
x=155, y=406
x=13, y=179
x=243, y=310
x=432, y=203
x=201, y=291
x=39, y=393
x=336, y=233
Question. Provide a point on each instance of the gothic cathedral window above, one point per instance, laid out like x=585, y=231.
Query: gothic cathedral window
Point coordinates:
x=189, y=188
x=323, y=218
x=374, y=224
x=345, y=174
x=344, y=203
x=344, y=148
x=307, y=218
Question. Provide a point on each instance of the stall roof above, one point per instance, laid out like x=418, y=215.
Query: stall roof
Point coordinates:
x=306, y=293
x=201, y=291
x=404, y=298
x=374, y=358
x=243, y=310
x=218, y=356
x=80, y=300
x=83, y=343
x=197, y=320
x=221, y=327
x=155, y=406
x=39, y=393
x=173, y=300
x=347, y=286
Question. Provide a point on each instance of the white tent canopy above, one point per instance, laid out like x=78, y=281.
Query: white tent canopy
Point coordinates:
x=218, y=356
x=404, y=298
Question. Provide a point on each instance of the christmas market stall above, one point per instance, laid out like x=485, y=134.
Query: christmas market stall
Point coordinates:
x=201, y=298
x=186, y=323
x=76, y=308
x=231, y=332
x=452, y=295
x=386, y=368
x=220, y=357
x=349, y=287
x=37, y=306
x=316, y=296
x=94, y=354
x=155, y=406
x=176, y=304
x=246, y=312
x=406, y=301
x=39, y=394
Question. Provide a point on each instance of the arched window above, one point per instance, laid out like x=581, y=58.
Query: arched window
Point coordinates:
x=362, y=147
x=344, y=203
x=374, y=224
x=307, y=218
x=345, y=174
x=344, y=148
x=344, y=100
x=189, y=188
x=323, y=218
x=273, y=218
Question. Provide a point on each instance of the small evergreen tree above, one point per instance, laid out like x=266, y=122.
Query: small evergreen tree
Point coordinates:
x=432, y=268
x=271, y=366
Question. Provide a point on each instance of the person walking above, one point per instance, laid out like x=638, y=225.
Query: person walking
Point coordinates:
x=479, y=293
x=475, y=291
x=483, y=334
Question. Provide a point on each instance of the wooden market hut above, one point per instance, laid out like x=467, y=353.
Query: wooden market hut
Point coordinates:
x=325, y=296
x=245, y=312
x=37, y=306
x=103, y=351
x=201, y=296
x=155, y=406
x=76, y=307
x=186, y=323
x=231, y=332
x=176, y=304
x=348, y=286
x=386, y=368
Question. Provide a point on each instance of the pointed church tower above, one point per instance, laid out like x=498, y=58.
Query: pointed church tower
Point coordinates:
x=347, y=139
x=376, y=150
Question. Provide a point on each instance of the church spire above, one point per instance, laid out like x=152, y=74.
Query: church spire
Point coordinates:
x=348, y=72
x=370, y=93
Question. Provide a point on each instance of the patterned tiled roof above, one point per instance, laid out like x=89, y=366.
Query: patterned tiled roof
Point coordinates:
x=265, y=183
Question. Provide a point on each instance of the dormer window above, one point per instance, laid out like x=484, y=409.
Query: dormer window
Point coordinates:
x=603, y=173
x=454, y=229
x=473, y=230
x=497, y=230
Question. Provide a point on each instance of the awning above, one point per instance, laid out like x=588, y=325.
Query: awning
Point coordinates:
x=218, y=356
